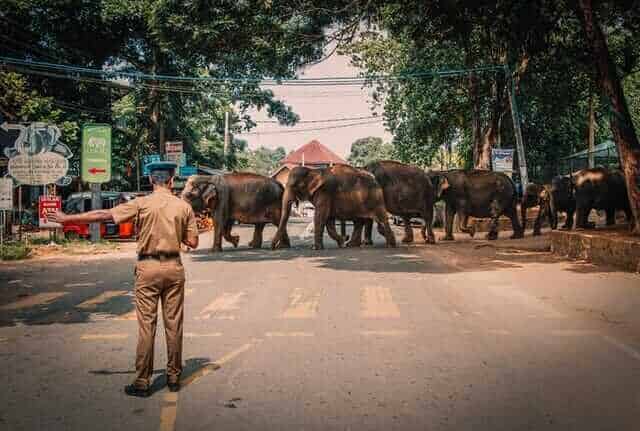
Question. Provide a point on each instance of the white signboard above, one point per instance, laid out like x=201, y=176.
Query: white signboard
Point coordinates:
x=43, y=168
x=6, y=194
x=502, y=160
x=174, y=152
x=37, y=157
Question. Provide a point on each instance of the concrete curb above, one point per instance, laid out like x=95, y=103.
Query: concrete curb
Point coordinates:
x=598, y=247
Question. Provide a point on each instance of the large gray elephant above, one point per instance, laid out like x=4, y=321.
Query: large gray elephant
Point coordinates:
x=408, y=193
x=600, y=189
x=244, y=197
x=338, y=193
x=477, y=193
x=561, y=199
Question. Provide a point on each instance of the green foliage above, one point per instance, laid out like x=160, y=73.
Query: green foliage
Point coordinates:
x=370, y=149
x=264, y=161
x=14, y=251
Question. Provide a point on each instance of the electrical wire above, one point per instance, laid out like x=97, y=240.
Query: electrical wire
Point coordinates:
x=283, y=132
x=329, y=120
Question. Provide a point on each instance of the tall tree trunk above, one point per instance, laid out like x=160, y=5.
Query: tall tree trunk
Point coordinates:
x=591, y=126
x=156, y=102
x=475, y=119
x=622, y=128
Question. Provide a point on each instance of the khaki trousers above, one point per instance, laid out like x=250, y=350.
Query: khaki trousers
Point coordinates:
x=159, y=281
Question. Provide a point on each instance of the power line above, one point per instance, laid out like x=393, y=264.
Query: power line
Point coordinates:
x=334, y=81
x=329, y=120
x=283, y=132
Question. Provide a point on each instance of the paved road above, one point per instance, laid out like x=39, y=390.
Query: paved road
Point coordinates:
x=457, y=336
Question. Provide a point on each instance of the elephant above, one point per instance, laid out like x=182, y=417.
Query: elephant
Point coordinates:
x=540, y=196
x=239, y=196
x=561, y=199
x=408, y=192
x=339, y=192
x=601, y=189
x=477, y=193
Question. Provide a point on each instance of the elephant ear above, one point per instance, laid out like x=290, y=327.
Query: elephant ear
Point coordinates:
x=210, y=193
x=317, y=182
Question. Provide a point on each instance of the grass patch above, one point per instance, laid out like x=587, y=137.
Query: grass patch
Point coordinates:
x=14, y=251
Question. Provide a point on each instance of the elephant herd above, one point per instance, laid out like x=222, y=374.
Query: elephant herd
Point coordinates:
x=366, y=195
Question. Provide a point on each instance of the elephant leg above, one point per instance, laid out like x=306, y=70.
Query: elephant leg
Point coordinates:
x=523, y=211
x=408, y=230
x=217, y=237
x=356, y=235
x=582, y=218
x=333, y=234
x=463, y=221
x=343, y=230
x=381, y=219
x=233, y=239
x=320, y=217
x=611, y=216
x=256, y=242
x=518, y=231
x=428, y=226
x=449, y=214
x=537, y=225
x=368, y=231
x=495, y=211
x=630, y=219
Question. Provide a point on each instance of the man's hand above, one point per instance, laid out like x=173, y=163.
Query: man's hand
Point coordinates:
x=57, y=217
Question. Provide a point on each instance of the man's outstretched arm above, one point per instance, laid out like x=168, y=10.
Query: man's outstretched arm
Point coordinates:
x=88, y=217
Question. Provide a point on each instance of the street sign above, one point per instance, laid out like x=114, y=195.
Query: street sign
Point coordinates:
x=48, y=205
x=6, y=194
x=96, y=153
x=175, y=152
x=147, y=160
x=502, y=160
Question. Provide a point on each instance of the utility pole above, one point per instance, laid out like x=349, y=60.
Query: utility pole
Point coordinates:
x=522, y=163
x=226, y=139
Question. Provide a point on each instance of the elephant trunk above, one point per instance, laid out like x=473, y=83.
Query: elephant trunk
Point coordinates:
x=287, y=200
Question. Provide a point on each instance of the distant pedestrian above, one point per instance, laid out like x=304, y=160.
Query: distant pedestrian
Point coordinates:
x=165, y=222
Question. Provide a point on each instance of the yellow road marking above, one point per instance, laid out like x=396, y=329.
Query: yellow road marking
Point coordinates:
x=391, y=333
x=91, y=337
x=33, y=300
x=377, y=303
x=100, y=299
x=303, y=304
x=170, y=408
x=222, y=305
x=289, y=334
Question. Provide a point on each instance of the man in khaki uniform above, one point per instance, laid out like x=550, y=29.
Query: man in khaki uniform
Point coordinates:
x=164, y=223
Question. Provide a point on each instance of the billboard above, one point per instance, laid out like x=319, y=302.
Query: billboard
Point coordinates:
x=502, y=159
x=48, y=205
x=96, y=153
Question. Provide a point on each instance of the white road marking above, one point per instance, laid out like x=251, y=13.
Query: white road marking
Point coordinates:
x=389, y=333
x=100, y=299
x=33, y=300
x=303, y=304
x=93, y=337
x=200, y=281
x=195, y=335
x=223, y=305
x=499, y=332
x=89, y=284
x=14, y=281
x=377, y=303
x=529, y=301
x=289, y=334
x=635, y=354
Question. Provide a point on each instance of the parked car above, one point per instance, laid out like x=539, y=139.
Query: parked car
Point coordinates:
x=81, y=202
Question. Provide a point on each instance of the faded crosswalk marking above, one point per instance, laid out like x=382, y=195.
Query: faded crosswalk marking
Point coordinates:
x=91, y=337
x=100, y=299
x=33, y=300
x=377, y=303
x=303, y=304
x=223, y=306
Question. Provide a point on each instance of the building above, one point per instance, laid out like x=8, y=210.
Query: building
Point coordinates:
x=313, y=155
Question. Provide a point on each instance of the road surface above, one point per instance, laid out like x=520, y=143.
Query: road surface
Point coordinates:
x=468, y=335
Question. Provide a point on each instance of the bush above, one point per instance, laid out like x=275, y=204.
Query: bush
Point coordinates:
x=14, y=251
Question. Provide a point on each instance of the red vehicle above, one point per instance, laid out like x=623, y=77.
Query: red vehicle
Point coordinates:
x=81, y=202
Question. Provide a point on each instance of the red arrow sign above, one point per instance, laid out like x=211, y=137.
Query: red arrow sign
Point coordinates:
x=94, y=171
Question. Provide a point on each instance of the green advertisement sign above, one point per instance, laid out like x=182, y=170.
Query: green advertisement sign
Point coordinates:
x=96, y=153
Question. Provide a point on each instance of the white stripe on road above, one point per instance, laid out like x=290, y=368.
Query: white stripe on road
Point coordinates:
x=93, y=337
x=289, y=334
x=101, y=299
x=90, y=284
x=377, y=303
x=390, y=333
x=223, y=306
x=635, y=354
x=195, y=335
x=303, y=304
x=33, y=300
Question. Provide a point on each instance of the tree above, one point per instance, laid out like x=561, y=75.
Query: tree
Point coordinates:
x=370, y=149
x=620, y=119
x=264, y=161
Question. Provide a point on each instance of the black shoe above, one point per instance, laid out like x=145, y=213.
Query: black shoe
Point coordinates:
x=173, y=386
x=134, y=391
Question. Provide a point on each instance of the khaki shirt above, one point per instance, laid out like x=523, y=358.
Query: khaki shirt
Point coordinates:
x=164, y=221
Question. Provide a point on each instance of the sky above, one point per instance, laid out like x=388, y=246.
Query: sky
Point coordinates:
x=314, y=103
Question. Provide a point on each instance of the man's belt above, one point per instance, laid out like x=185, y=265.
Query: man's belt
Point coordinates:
x=159, y=256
